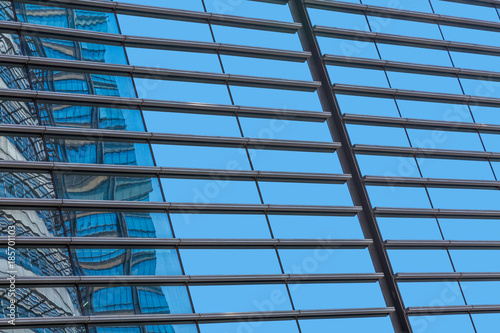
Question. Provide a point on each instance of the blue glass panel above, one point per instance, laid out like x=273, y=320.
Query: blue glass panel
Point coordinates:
x=262, y=10
x=491, y=142
x=144, y=329
x=26, y=185
x=434, y=111
x=464, y=198
x=295, y=161
x=32, y=302
x=338, y=19
x=194, y=124
x=99, y=152
x=347, y=47
x=325, y=261
x=252, y=326
x=182, y=91
x=283, y=129
x=476, y=261
x=14, y=112
x=315, y=227
x=14, y=77
x=184, y=4
x=392, y=196
x=367, y=105
x=336, y=296
x=390, y=166
x=475, y=61
x=351, y=325
x=378, y=135
x=81, y=83
x=431, y=293
x=230, y=261
x=220, y=226
x=442, y=323
x=484, y=114
x=36, y=262
x=459, y=169
x=21, y=149
x=274, y=98
x=417, y=55
x=305, y=194
x=192, y=61
x=419, y=6
x=409, y=228
x=210, y=191
x=421, y=82
x=471, y=35
x=358, y=76
x=394, y=26
x=485, y=88
x=118, y=262
x=465, y=10
x=241, y=298
x=484, y=323
x=67, y=18
x=9, y=43
x=464, y=229
x=161, y=28
x=417, y=261
x=6, y=12
x=266, y=68
x=119, y=224
x=86, y=187
x=437, y=139
x=133, y=300
x=73, y=50
x=201, y=157
x=481, y=292
x=91, y=117
x=259, y=38
x=29, y=223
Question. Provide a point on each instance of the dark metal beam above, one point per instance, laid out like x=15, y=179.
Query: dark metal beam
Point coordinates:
x=151, y=243
x=205, y=280
x=174, y=207
x=349, y=165
x=153, y=319
x=184, y=173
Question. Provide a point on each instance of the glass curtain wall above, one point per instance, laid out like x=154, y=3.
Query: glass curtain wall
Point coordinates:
x=250, y=166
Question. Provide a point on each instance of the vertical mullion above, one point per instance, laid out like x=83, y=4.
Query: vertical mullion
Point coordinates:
x=349, y=165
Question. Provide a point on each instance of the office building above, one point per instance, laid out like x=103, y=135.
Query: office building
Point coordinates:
x=250, y=166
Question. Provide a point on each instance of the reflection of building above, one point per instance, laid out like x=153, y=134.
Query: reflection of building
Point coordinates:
x=70, y=301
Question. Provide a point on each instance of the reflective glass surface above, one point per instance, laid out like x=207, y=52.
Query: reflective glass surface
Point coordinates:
x=107, y=173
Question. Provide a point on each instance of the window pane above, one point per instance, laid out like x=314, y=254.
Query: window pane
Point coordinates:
x=315, y=227
x=442, y=323
x=201, y=157
x=336, y=296
x=242, y=298
x=431, y=293
x=220, y=226
x=231, y=261
x=118, y=262
x=409, y=228
x=416, y=261
x=351, y=325
x=192, y=124
x=210, y=191
x=161, y=28
x=326, y=261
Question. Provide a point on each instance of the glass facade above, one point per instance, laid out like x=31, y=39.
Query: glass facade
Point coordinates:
x=249, y=166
